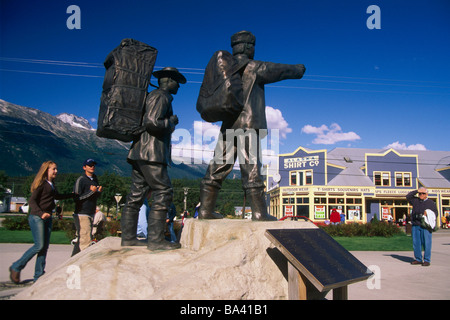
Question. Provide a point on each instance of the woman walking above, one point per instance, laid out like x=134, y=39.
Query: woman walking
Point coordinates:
x=42, y=203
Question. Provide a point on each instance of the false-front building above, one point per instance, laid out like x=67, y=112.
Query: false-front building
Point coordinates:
x=358, y=183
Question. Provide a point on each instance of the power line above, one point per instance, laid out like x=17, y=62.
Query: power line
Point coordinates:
x=200, y=71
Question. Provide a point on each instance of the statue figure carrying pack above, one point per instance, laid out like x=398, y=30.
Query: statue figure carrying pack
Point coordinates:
x=247, y=97
x=149, y=156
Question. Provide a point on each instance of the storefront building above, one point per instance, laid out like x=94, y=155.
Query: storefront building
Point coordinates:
x=358, y=183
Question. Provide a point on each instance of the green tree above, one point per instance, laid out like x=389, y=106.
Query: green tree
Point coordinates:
x=112, y=184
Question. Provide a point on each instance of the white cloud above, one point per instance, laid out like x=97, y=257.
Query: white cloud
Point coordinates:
x=275, y=120
x=329, y=135
x=196, y=148
x=402, y=146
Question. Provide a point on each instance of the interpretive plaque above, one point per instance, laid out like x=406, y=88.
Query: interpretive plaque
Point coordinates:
x=319, y=258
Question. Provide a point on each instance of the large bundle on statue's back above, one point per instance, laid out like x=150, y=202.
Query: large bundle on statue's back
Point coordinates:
x=221, y=96
x=129, y=68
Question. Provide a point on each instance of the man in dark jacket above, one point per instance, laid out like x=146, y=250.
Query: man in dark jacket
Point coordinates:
x=242, y=135
x=87, y=190
x=420, y=236
x=149, y=156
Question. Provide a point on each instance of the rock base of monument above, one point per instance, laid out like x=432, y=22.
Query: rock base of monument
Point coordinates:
x=219, y=259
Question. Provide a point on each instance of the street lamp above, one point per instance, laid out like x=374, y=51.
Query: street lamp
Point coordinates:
x=118, y=197
x=186, y=190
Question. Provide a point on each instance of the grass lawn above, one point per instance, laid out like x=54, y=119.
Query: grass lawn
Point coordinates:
x=395, y=243
x=18, y=236
x=400, y=242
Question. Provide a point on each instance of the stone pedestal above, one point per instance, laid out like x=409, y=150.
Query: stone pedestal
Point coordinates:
x=219, y=259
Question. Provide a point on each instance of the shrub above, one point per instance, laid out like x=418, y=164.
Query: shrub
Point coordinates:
x=16, y=223
x=377, y=229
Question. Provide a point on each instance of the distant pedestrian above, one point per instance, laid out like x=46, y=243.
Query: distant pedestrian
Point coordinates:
x=335, y=218
x=87, y=191
x=421, y=236
x=42, y=203
x=171, y=214
x=142, y=226
x=97, y=225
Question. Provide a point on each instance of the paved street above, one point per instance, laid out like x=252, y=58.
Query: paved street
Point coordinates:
x=395, y=278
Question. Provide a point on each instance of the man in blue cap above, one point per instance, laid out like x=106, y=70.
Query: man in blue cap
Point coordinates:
x=87, y=190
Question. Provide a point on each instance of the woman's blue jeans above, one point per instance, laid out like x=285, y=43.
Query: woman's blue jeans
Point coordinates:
x=41, y=230
x=421, y=238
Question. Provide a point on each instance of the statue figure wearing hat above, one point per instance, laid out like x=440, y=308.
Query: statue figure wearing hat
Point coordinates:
x=255, y=74
x=149, y=157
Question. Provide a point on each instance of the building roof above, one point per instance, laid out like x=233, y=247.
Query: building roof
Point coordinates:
x=354, y=160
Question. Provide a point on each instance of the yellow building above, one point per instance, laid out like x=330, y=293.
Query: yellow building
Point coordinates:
x=358, y=183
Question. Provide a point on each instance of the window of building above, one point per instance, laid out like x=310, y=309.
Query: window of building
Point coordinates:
x=382, y=178
x=302, y=200
x=288, y=200
x=301, y=178
x=403, y=179
x=320, y=200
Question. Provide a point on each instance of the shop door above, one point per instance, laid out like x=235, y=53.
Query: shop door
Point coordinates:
x=399, y=212
x=303, y=210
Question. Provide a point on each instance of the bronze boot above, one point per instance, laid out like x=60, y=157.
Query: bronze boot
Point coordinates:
x=257, y=199
x=208, y=198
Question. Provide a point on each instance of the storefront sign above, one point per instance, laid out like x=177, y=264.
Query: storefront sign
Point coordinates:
x=319, y=212
x=391, y=192
x=289, y=211
x=305, y=162
x=330, y=189
x=385, y=213
x=354, y=214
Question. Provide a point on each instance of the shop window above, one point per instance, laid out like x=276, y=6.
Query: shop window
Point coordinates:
x=354, y=213
x=302, y=200
x=320, y=200
x=293, y=178
x=288, y=200
x=308, y=177
x=403, y=179
x=446, y=202
x=301, y=178
x=332, y=200
x=382, y=178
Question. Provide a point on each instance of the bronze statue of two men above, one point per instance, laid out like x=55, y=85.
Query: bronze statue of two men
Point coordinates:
x=150, y=154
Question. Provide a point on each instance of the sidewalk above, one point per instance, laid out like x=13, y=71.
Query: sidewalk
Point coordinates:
x=395, y=278
x=10, y=252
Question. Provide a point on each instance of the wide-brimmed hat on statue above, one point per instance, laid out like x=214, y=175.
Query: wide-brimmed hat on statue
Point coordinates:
x=170, y=72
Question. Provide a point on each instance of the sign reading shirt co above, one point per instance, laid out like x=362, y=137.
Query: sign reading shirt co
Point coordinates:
x=304, y=162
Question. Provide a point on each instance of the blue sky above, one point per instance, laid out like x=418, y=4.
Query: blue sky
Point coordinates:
x=363, y=88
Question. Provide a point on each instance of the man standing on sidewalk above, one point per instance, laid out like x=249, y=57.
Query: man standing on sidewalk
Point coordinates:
x=420, y=236
x=87, y=191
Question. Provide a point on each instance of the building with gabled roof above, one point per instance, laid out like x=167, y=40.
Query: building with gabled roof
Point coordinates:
x=359, y=183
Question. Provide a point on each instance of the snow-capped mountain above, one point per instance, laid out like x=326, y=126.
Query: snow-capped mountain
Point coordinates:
x=75, y=121
x=28, y=137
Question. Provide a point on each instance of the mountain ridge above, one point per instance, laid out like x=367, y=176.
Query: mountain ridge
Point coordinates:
x=29, y=136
